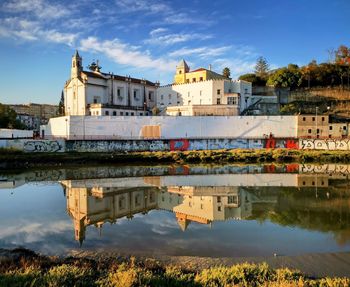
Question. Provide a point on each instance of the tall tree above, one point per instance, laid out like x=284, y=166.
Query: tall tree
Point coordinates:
x=261, y=68
x=61, y=107
x=226, y=72
x=8, y=118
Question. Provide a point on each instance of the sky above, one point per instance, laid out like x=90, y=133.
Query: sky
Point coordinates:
x=147, y=38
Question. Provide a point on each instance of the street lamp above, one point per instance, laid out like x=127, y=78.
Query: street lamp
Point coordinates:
x=66, y=128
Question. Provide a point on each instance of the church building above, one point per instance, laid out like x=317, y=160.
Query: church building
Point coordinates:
x=100, y=94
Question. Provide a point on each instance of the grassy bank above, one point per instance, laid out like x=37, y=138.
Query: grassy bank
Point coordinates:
x=17, y=159
x=25, y=268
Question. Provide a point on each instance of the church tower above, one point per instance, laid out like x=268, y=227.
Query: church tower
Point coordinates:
x=77, y=65
x=181, y=69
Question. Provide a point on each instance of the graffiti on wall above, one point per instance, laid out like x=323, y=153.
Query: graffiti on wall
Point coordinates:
x=116, y=145
x=324, y=144
x=179, y=145
x=281, y=143
x=43, y=146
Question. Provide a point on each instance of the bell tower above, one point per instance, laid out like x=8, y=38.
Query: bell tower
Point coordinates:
x=77, y=65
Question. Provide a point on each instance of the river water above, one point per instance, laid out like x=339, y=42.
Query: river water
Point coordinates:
x=199, y=210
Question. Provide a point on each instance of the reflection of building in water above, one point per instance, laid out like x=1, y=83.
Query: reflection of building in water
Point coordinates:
x=198, y=198
x=205, y=204
x=89, y=203
x=97, y=205
x=6, y=183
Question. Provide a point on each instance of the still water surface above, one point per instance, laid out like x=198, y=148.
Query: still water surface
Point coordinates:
x=215, y=211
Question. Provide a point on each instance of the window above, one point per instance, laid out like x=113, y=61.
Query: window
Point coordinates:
x=232, y=199
x=118, y=92
x=126, y=113
x=344, y=128
x=218, y=101
x=218, y=199
x=169, y=96
x=150, y=95
x=135, y=94
x=114, y=113
x=231, y=100
x=141, y=114
x=161, y=97
x=188, y=94
x=188, y=80
x=304, y=119
x=218, y=91
x=201, y=78
x=200, y=93
x=313, y=119
x=180, y=72
x=194, y=79
x=330, y=128
x=121, y=113
x=132, y=113
x=322, y=119
x=219, y=208
x=229, y=91
x=107, y=113
x=318, y=131
x=309, y=131
x=95, y=101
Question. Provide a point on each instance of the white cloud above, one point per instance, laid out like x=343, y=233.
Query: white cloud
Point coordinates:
x=171, y=39
x=157, y=31
x=142, y=5
x=40, y=8
x=26, y=30
x=125, y=54
x=200, y=52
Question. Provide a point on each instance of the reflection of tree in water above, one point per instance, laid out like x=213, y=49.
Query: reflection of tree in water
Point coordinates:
x=321, y=209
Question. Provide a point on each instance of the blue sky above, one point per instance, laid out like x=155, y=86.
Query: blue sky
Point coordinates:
x=146, y=38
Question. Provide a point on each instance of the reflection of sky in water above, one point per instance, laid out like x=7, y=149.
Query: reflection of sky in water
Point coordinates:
x=34, y=216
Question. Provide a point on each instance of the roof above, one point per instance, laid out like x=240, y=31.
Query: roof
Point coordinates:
x=183, y=64
x=199, y=69
x=106, y=76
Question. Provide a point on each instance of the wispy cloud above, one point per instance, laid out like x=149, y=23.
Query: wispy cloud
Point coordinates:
x=159, y=37
x=27, y=30
x=40, y=8
x=125, y=54
x=200, y=52
x=128, y=6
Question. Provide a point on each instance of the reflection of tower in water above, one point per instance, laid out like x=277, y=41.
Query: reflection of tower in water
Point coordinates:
x=92, y=204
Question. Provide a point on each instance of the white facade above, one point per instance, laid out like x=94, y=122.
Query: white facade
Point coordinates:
x=96, y=93
x=206, y=93
x=103, y=127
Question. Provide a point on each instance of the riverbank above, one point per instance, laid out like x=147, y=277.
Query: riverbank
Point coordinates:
x=12, y=159
x=21, y=267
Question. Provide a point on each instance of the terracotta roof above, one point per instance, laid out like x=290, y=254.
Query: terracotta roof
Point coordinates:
x=117, y=77
x=198, y=70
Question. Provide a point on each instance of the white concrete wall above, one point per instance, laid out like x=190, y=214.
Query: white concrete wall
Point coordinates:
x=13, y=133
x=120, y=127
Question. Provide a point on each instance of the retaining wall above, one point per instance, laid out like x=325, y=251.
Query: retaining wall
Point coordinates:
x=171, y=145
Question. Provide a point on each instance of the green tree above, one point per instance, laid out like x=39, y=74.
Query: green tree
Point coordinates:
x=226, y=72
x=61, y=107
x=254, y=79
x=8, y=118
x=262, y=68
x=286, y=77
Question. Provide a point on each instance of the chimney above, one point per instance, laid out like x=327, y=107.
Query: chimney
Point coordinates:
x=209, y=67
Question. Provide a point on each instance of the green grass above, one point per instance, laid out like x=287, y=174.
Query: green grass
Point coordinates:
x=112, y=272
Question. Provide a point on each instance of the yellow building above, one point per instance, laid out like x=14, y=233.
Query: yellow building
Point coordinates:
x=184, y=75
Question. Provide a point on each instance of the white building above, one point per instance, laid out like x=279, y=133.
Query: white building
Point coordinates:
x=203, y=92
x=96, y=93
x=210, y=97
